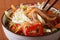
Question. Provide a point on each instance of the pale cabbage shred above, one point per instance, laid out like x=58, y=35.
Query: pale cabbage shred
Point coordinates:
x=20, y=17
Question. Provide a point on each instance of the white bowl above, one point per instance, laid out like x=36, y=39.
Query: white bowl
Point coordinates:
x=11, y=36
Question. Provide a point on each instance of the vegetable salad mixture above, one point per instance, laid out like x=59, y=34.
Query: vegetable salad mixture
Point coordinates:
x=32, y=20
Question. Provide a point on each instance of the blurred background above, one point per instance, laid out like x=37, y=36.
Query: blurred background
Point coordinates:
x=5, y=4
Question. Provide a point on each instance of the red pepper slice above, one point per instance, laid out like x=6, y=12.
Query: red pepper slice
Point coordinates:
x=17, y=24
x=33, y=28
x=19, y=31
x=50, y=12
x=31, y=4
x=13, y=28
x=57, y=25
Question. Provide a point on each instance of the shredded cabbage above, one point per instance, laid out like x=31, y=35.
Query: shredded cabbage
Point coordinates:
x=20, y=17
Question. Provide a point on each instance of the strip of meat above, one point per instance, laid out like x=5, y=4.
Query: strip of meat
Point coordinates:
x=38, y=11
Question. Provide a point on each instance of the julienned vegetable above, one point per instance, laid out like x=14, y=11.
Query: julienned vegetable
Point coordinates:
x=7, y=15
x=29, y=20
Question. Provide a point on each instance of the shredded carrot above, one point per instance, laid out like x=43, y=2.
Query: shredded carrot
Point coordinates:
x=13, y=7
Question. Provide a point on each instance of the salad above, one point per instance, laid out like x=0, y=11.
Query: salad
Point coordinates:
x=32, y=20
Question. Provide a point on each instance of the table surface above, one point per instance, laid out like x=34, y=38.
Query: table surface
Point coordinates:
x=5, y=4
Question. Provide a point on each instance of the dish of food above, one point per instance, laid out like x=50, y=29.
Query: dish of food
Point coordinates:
x=32, y=20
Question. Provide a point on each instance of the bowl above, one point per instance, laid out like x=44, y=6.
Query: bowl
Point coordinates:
x=12, y=36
